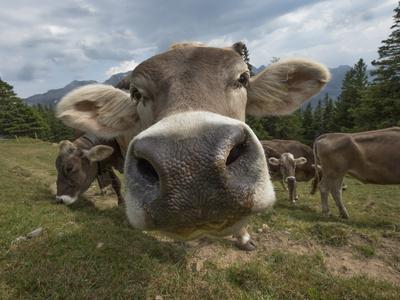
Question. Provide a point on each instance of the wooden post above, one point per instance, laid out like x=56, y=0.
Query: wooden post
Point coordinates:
x=36, y=138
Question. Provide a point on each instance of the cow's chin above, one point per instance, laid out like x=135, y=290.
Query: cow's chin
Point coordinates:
x=141, y=220
x=224, y=228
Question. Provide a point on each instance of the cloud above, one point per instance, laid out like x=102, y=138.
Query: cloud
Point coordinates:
x=124, y=66
x=30, y=72
x=47, y=43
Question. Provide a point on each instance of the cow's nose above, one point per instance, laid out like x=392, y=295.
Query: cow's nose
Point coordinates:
x=194, y=170
x=163, y=164
x=290, y=179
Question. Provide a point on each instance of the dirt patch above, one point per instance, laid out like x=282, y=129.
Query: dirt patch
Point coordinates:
x=102, y=200
x=340, y=261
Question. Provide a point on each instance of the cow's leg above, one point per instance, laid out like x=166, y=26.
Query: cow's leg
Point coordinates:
x=336, y=191
x=244, y=241
x=324, y=192
x=101, y=186
x=116, y=185
x=284, y=185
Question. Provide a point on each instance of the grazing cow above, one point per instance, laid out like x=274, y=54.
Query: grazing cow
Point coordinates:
x=371, y=157
x=289, y=161
x=194, y=167
x=80, y=162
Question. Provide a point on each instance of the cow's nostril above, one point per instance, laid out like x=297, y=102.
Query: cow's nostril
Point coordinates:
x=147, y=170
x=235, y=153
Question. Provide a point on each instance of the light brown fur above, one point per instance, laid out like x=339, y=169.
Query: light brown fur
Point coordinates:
x=371, y=157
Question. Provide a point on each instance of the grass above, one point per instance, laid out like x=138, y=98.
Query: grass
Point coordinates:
x=88, y=250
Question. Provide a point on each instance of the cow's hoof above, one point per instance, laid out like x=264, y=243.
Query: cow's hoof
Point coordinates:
x=249, y=246
x=344, y=215
x=326, y=214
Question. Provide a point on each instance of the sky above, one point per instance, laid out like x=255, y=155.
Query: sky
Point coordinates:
x=45, y=44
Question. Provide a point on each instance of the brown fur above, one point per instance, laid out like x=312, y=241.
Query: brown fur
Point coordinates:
x=371, y=157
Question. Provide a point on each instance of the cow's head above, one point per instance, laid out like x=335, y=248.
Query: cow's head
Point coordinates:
x=194, y=166
x=287, y=165
x=76, y=169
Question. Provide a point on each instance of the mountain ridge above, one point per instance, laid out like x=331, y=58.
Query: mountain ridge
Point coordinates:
x=51, y=97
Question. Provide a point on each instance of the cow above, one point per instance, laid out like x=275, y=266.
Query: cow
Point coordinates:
x=80, y=162
x=194, y=167
x=289, y=161
x=371, y=157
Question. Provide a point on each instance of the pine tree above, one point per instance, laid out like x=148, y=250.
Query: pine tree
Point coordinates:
x=257, y=126
x=380, y=107
x=354, y=86
x=57, y=130
x=328, y=115
x=285, y=127
x=307, y=125
x=317, y=124
x=16, y=117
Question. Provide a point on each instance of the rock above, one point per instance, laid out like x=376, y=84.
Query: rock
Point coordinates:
x=99, y=245
x=265, y=227
x=53, y=189
x=35, y=233
x=158, y=297
x=259, y=230
x=19, y=239
x=197, y=266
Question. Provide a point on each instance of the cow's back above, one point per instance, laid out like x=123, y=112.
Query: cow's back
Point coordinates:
x=371, y=157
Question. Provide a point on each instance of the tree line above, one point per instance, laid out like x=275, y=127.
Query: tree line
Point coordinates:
x=18, y=119
x=366, y=102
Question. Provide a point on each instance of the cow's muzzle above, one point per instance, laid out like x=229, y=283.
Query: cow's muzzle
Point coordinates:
x=195, y=172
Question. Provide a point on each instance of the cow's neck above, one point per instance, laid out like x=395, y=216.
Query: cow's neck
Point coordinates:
x=86, y=141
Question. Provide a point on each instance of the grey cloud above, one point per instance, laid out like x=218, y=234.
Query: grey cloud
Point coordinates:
x=30, y=72
x=100, y=33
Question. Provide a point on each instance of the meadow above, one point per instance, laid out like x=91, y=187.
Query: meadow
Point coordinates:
x=88, y=251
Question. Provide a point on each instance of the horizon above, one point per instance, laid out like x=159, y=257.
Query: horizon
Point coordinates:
x=49, y=45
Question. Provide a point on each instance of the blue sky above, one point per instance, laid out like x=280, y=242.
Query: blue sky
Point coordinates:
x=46, y=44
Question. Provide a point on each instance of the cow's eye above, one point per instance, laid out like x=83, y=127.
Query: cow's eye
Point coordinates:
x=136, y=94
x=244, y=79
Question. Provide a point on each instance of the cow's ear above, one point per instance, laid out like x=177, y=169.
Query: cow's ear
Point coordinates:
x=300, y=161
x=273, y=161
x=283, y=86
x=66, y=147
x=98, y=153
x=98, y=109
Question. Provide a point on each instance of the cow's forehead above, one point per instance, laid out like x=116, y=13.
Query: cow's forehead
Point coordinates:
x=205, y=60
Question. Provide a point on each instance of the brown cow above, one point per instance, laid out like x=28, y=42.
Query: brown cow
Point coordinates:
x=194, y=167
x=371, y=157
x=80, y=162
x=289, y=161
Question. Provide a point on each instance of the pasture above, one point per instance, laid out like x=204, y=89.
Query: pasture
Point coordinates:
x=88, y=251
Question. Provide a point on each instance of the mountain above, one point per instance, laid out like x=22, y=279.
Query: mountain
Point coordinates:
x=334, y=86
x=52, y=97
x=115, y=79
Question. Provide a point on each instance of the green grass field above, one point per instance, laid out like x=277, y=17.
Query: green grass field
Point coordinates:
x=88, y=251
